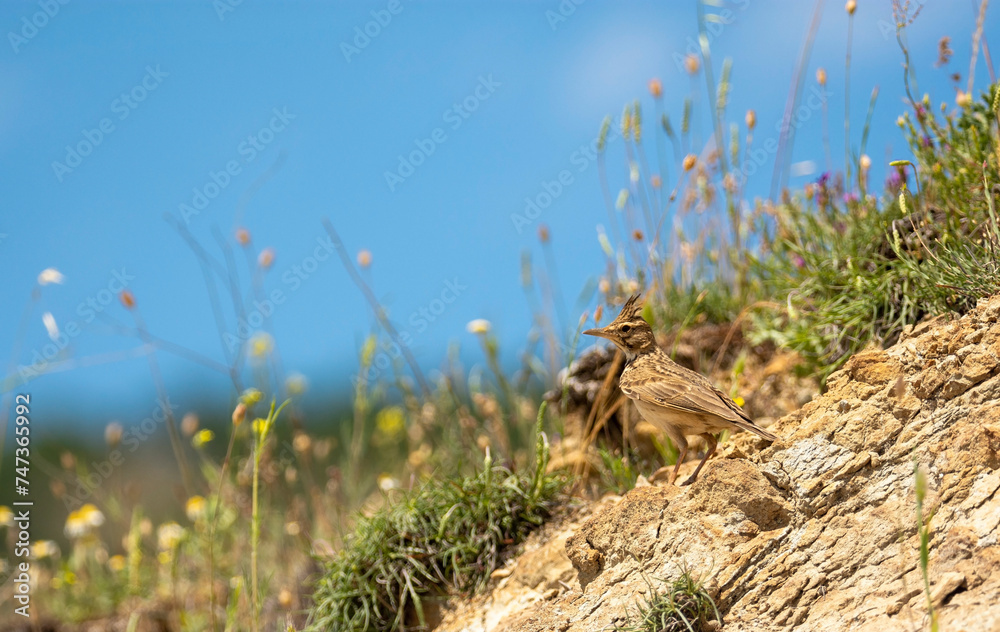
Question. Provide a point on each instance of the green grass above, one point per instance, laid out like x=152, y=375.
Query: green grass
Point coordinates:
x=684, y=604
x=445, y=537
x=924, y=533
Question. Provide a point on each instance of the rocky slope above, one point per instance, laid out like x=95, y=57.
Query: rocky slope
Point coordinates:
x=817, y=531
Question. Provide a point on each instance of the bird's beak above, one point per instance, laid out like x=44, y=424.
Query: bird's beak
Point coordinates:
x=601, y=333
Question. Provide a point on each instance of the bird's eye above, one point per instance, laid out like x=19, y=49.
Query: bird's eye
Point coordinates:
x=626, y=328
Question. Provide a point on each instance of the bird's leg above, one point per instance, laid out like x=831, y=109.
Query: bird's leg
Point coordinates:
x=680, y=459
x=681, y=443
x=712, y=444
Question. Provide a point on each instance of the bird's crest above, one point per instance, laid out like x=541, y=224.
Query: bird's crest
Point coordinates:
x=632, y=308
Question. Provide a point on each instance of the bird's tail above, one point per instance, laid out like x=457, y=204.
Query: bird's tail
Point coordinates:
x=754, y=428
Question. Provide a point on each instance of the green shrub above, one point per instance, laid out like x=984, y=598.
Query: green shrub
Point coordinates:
x=446, y=536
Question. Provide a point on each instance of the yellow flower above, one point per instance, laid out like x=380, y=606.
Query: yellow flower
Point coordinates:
x=116, y=563
x=261, y=345
x=76, y=526
x=478, y=326
x=91, y=515
x=751, y=119
x=195, y=508
x=851, y=7
x=251, y=396
x=296, y=383
x=739, y=401
x=386, y=482
x=202, y=437
x=390, y=422
x=169, y=535
x=655, y=88
x=42, y=549
x=865, y=162
x=963, y=99
x=6, y=516
x=689, y=162
x=243, y=236
x=821, y=76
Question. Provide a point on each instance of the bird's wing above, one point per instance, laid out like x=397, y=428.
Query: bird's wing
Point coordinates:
x=677, y=388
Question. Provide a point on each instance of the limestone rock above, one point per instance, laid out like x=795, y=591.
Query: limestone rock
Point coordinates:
x=816, y=532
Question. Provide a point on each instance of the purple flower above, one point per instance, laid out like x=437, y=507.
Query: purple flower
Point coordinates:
x=926, y=140
x=850, y=197
x=895, y=180
x=799, y=262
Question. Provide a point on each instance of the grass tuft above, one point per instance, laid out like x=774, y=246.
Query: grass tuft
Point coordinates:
x=683, y=605
x=445, y=537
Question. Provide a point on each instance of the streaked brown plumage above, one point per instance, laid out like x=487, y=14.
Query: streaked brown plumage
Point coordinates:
x=675, y=400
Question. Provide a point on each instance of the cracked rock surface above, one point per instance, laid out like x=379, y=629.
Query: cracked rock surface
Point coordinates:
x=815, y=532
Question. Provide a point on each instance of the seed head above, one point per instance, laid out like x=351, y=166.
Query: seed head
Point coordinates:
x=265, y=258
x=655, y=88
x=127, y=299
x=364, y=258
x=692, y=64
x=239, y=413
x=189, y=425
x=50, y=275
x=113, y=434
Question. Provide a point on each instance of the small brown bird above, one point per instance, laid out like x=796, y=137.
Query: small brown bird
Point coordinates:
x=675, y=400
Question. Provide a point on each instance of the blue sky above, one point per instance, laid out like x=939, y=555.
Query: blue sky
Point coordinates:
x=283, y=114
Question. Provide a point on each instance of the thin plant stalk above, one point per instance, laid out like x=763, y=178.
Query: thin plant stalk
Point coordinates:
x=847, y=98
x=262, y=428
